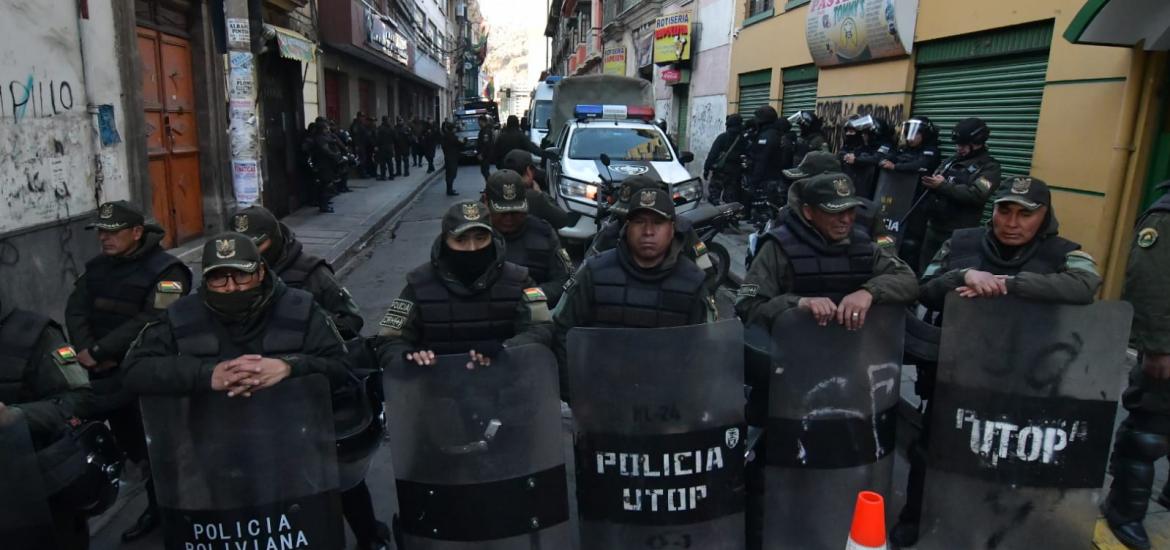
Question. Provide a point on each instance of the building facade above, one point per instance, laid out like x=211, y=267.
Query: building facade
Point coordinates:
x=1070, y=114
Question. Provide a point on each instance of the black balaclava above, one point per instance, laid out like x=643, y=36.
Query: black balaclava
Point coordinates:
x=468, y=267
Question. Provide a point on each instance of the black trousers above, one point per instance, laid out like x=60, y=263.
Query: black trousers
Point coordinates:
x=358, y=507
x=403, y=164
x=386, y=167
x=916, y=485
x=451, y=169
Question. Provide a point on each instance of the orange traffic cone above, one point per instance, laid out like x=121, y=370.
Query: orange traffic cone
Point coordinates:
x=869, y=523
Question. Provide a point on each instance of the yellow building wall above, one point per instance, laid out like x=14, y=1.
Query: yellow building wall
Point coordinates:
x=1079, y=116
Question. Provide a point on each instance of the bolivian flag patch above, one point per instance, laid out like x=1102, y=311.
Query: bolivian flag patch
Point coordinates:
x=885, y=241
x=535, y=294
x=65, y=355
x=700, y=248
x=170, y=287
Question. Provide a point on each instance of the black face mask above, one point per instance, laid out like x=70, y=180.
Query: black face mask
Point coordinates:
x=235, y=306
x=852, y=140
x=275, y=250
x=470, y=266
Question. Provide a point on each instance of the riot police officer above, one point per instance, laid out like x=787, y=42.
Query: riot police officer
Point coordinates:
x=1020, y=253
x=771, y=153
x=865, y=143
x=812, y=134
x=818, y=260
x=125, y=287
x=540, y=204
x=646, y=281
x=723, y=167
x=287, y=259
x=530, y=242
x=957, y=192
x=467, y=299
x=40, y=377
x=1142, y=437
x=917, y=154
x=216, y=339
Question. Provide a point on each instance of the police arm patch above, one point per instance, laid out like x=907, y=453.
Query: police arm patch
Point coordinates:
x=1147, y=237
x=747, y=291
x=983, y=184
x=393, y=321
x=534, y=294
x=167, y=293
x=401, y=307
x=65, y=355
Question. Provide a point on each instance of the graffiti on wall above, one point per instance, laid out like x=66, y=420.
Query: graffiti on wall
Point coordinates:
x=706, y=123
x=835, y=113
x=30, y=97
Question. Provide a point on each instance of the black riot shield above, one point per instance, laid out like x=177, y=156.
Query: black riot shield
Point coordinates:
x=864, y=179
x=478, y=454
x=831, y=421
x=894, y=198
x=660, y=436
x=25, y=523
x=1022, y=420
x=256, y=472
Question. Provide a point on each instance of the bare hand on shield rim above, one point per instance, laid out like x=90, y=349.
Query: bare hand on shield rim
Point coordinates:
x=422, y=358
x=478, y=359
x=851, y=312
x=822, y=309
x=933, y=182
x=1157, y=366
x=247, y=374
x=981, y=284
x=888, y=165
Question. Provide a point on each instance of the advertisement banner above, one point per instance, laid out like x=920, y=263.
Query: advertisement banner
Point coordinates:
x=672, y=38
x=615, y=61
x=385, y=39
x=840, y=32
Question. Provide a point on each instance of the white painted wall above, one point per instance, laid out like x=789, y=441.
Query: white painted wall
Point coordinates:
x=48, y=140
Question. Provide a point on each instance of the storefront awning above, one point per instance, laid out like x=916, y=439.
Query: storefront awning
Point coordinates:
x=294, y=45
x=1122, y=23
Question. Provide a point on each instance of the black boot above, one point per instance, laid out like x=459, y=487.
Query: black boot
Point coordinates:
x=148, y=521
x=1134, y=453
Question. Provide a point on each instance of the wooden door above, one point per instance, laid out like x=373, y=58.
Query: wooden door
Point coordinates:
x=172, y=139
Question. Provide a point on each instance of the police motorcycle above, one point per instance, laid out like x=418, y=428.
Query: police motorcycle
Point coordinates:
x=78, y=473
x=628, y=136
x=707, y=220
x=659, y=446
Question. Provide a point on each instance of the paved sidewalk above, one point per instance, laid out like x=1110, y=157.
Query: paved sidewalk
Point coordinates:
x=357, y=216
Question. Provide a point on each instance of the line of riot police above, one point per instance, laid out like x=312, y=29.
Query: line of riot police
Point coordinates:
x=261, y=409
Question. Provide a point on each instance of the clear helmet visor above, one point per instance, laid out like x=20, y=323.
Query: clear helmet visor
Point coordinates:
x=862, y=123
x=911, y=129
x=796, y=118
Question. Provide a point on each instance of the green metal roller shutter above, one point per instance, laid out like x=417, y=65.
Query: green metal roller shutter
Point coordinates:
x=753, y=91
x=997, y=77
x=800, y=90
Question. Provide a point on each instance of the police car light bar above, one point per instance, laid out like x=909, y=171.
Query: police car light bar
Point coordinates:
x=613, y=112
x=552, y=79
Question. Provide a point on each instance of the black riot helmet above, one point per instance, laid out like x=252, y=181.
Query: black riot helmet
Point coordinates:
x=970, y=131
x=764, y=115
x=916, y=126
x=807, y=121
x=734, y=122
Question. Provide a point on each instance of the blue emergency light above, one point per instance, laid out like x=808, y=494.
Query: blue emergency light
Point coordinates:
x=613, y=112
x=553, y=80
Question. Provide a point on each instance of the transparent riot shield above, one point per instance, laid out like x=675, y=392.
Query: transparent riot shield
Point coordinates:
x=831, y=422
x=864, y=179
x=660, y=436
x=894, y=199
x=25, y=522
x=254, y=472
x=478, y=454
x=1022, y=421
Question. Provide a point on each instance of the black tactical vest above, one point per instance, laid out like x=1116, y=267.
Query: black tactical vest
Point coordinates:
x=817, y=271
x=624, y=301
x=533, y=248
x=198, y=334
x=945, y=212
x=457, y=324
x=297, y=272
x=118, y=288
x=19, y=333
x=968, y=251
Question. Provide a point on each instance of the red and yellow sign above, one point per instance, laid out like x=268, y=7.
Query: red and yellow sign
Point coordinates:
x=672, y=38
x=615, y=61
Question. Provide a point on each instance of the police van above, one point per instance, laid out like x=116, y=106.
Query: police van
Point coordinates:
x=540, y=110
x=467, y=130
x=578, y=178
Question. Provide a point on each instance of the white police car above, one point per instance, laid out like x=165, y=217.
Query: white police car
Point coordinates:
x=634, y=145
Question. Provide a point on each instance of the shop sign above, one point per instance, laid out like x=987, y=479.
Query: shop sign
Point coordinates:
x=385, y=39
x=840, y=32
x=615, y=61
x=672, y=38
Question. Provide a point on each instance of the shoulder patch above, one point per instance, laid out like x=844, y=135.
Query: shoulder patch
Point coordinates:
x=1147, y=237
x=700, y=248
x=983, y=184
x=886, y=241
x=534, y=294
x=170, y=287
x=65, y=355
x=928, y=153
x=973, y=168
x=393, y=321
x=747, y=291
x=402, y=307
